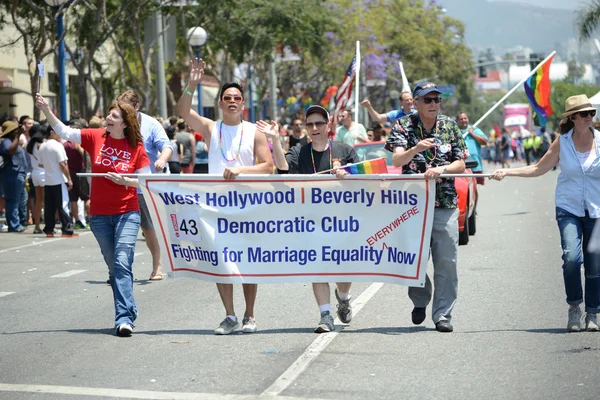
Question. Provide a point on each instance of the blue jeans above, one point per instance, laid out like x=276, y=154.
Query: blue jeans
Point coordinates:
x=575, y=233
x=14, y=185
x=116, y=235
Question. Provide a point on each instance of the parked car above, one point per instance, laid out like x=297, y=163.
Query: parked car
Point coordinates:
x=466, y=187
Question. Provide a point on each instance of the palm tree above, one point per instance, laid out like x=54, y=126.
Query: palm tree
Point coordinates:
x=588, y=19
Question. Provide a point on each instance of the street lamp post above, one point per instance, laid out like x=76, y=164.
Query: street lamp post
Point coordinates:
x=198, y=37
x=62, y=78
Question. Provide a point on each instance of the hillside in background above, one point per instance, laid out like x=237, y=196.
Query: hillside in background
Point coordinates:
x=502, y=25
x=562, y=4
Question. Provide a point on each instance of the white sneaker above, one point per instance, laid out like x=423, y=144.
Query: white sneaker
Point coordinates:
x=248, y=325
x=3, y=228
x=591, y=323
x=124, y=330
x=227, y=326
x=574, y=324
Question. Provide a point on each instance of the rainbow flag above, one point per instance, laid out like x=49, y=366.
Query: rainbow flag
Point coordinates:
x=376, y=166
x=537, y=89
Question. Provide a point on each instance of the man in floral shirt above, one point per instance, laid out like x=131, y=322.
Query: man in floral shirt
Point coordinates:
x=429, y=143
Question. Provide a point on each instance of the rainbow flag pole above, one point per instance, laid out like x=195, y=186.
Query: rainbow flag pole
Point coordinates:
x=375, y=166
x=513, y=89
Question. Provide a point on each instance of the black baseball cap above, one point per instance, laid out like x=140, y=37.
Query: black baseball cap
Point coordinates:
x=425, y=88
x=316, y=109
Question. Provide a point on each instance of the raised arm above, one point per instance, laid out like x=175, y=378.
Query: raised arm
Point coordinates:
x=375, y=116
x=184, y=107
x=65, y=132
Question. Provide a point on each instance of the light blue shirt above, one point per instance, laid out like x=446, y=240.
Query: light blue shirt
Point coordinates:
x=474, y=147
x=155, y=140
x=577, y=189
x=392, y=116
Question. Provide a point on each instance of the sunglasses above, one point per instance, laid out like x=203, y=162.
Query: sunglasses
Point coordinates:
x=236, y=99
x=428, y=100
x=318, y=124
x=584, y=114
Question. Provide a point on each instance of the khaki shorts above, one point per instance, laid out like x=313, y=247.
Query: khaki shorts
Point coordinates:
x=146, y=221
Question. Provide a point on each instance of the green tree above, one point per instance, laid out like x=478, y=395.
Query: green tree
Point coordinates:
x=35, y=24
x=588, y=19
x=84, y=44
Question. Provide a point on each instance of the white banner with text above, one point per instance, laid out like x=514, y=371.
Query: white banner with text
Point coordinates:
x=295, y=228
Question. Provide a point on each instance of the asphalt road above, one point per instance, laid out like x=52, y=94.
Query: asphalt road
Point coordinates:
x=510, y=341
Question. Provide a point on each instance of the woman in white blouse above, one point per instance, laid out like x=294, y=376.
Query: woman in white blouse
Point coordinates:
x=577, y=205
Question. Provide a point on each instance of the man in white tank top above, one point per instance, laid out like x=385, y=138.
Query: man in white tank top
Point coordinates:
x=233, y=147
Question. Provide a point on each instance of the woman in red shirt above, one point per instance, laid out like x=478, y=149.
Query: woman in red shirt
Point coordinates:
x=115, y=211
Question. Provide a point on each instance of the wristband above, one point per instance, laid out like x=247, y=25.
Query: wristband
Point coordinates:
x=188, y=91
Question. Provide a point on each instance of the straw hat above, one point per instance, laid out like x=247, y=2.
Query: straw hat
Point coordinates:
x=8, y=127
x=575, y=104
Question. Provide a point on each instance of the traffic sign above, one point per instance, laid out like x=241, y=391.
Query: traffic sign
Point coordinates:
x=447, y=91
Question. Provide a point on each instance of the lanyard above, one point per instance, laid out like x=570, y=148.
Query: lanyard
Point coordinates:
x=312, y=156
x=239, y=145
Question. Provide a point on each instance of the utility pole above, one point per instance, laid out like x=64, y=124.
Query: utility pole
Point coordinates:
x=161, y=87
x=273, y=78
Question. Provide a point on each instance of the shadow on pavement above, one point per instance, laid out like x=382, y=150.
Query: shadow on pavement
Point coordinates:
x=557, y=331
x=138, y=282
x=210, y=332
x=104, y=331
x=389, y=330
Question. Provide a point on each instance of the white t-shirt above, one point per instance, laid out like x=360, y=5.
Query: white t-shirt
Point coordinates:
x=52, y=153
x=586, y=159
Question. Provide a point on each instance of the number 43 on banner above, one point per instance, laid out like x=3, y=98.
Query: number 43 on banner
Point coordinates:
x=184, y=226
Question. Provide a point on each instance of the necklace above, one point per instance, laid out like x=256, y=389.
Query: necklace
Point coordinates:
x=239, y=145
x=312, y=156
x=428, y=151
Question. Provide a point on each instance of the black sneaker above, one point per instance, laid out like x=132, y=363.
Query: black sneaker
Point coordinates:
x=418, y=315
x=444, y=326
x=124, y=330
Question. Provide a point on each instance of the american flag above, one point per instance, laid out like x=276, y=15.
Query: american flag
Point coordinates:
x=345, y=91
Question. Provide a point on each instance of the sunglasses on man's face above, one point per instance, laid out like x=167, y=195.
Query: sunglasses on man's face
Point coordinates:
x=236, y=99
x=428, y=100
x=318, y=124
x=584, y=114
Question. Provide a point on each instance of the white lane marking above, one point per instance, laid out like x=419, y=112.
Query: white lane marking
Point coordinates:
x=126, y=393
x=2, y=294
x=40, y=243
x=68, y=273
x=316, y=347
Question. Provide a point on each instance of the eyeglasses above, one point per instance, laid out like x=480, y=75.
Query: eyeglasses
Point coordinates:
x=584, y=114
x=318, y=124
x=236, y=99
x=428, y=100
